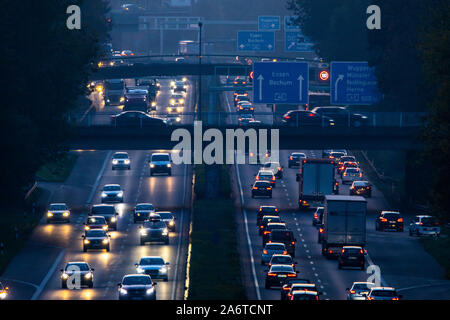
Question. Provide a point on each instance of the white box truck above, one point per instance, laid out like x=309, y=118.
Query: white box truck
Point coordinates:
x=344, y=223
x=316, y=179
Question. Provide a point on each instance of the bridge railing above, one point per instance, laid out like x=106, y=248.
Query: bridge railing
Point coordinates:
x=267, y=119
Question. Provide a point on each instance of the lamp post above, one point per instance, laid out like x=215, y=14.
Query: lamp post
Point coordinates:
x=200, y=25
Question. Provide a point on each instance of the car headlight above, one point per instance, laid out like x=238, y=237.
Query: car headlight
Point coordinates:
x=185, y=87
x=143, y=232
x=65, y=276
x=171, y=223
x=66, y=214
x=122, y=99
x=179, y=109
x=150, y=291
x=184, y=79
x=49, y=214
x=165, y=231
x=87, y=228
x=139, y=270
x=120, y=194
x=169, y=165
x=88, y=275
x=163, y=270
x=105, y=228
x=105, y=241
x=181, y=101
x=3, y=295
x=86, y=241
x=113, y=219
x=172, y=83
x=123, y=291
x=126, y=161
x=172, y=101
x=104, y=194
x=115, y=161
x=153, y=104
x=152, y=165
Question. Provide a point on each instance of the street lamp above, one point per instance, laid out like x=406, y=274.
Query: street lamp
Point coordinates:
x=200, y=25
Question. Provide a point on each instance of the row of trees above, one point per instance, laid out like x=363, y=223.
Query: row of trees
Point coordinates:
x=45, y=68
x=410, y=54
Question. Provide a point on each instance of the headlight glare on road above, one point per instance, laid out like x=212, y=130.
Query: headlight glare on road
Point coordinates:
x=150, y=291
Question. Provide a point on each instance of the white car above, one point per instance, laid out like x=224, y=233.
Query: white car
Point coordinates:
x=351, y=174
x=120, y=160
x=112, y=193
x=424, y=225
x=154, y=266
x=58, y=212
x=275, y=167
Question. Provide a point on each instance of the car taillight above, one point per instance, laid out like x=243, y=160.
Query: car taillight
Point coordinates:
x=293, y=242
x=266, y=232
x=370, y=298
x=287, y=117
x=255, y=188
x=400, y=220
x=284, y=252
x=342, y=251
x=262, y=227
x=317, y=298
x=270, y=274
x=360, y=175
x=279, y=168
x=320, y=230
x=395, y=298
x=367, y=188
x=316, y=216
x=264, y=251
x=286, y=289
x=362, y=252
x=292, y=274
x=269, y=188
x=345, y=174
x=273, y=178
x=290, y=158
x=257, y=177
x=383, y=220
x=352, y=291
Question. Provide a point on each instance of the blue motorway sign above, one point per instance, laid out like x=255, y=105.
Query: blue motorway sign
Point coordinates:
x=255, y=41
x=289, y=24
x=269, y=23
x=353, y=83
x=280, y=82
x=296, y=42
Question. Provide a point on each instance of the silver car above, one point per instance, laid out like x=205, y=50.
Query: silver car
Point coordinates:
x=120, y=160
x=351, y=174
x=359, y=290
x=154, y=266
x=424, y=225
x=383, y=293
x=270, y=249
x=112, y=193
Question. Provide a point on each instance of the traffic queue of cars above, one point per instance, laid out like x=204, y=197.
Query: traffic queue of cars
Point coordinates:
x=103, y=218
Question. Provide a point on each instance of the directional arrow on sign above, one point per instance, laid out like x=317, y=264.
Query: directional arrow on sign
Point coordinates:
x=260, y=79
x=300, y=80
x=340, y=78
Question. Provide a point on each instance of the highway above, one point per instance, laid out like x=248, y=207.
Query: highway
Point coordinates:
x=402, y=260
x=35, y=272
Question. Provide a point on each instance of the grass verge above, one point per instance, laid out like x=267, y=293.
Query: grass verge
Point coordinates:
x=17, y=225
x=57, y=171
x=215, y=272
x=438, y=248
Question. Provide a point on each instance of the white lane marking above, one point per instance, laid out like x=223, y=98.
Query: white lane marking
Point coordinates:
x=424, y=286
x=99, y=176
x=249, y=242
x=22, y=282
x=179, y=238
x=48, y=275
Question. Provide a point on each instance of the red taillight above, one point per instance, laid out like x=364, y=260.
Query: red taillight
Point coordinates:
x=360, y=175
x=311, y=115
x=290, y=158
x=352, y=291
x=270, y=274
x=362, y=252
x=292, y=275
x=284, y=252
x=320, y=230
x=293, y=242
x=400, y=220
x=269, y=188
x=273, y=178
x=266, y=232
x=276, y=209
x=317, y=298
x=316, y=216
x=255, y=188
x=264, y=251
x=395, y=298
x=345, y=174
x=342, y=251
x=286, y=288
x=367, y=188
x=342, y=168
x=383, y=220
x=257, y=177
x=262, y=227
x=287, y=117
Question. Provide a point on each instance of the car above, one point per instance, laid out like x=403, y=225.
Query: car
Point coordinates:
x=136, y=103
x=351, y=174
x=275, y=167
x=168, y=218
x=240, y=92
x=351, y=256
x=326, y=153
x=241, y=97
x=265, y=210
x=245, y=108
x=154, y=230
x=342, y=159
x=136, y=119
x=78, y=273
x=96, y=239
x=239, y=82
x=137, y=287
x=254, y=124
x=179, y=59
x=278, y=274
x=112, y=193
x=108, y=211
x=245, y=118
x=282, y=258
x=359, y=290
x=342, y=116
x=310, y=287
x=261, y=189
x=121, y=160
x=154, y=266
x=285, y=236
x=295, y=158
x=345, y=165
x=270, y=249
x=265, y=220
x=424, y=225
x=177, y=108
x=180, y=86
x=95, y=222
x=131, y=8
x=361, y=188
x=389, y=220
x=259, y=157
x=304, y=295
x=177, y=98
x=383, y=293
x=271, y=226
x=142, y=211
x=318, y=216
x=127, y=53
x=286, y=288
x=114, y=92
x=336, y=155
x=160, y=163
x=302, y=118
x=266, y=175
x=58, y=212
x=3, y=291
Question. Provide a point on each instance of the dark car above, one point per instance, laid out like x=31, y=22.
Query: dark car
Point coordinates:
x=154, y=266
x=318, y=216
x=134, y=102
x=391, y=220
x=245, y=108
x=271, y=226
x=107, y=211
x=265, y=210
x=78, y=273
x=154, y=230
x=278, y=275
x=112, y=193
x=168, y=218
x=245, y=118
x=142, y=211
x=361, y=188
x=301, y=118
x=239, y=82
x=342, y=116
x=96, y=239
x=282, y=259
x=265, y=220
x=295, y=158
x=351, y=256
x=305, y=295
x=160, y=163
x=345, y=165
x=288, y=285
x=136, y=119
x=342, y=159
x=137, y=287
x=284, y=236
x=96, y=222
x=240, y=97
x=262, y=189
